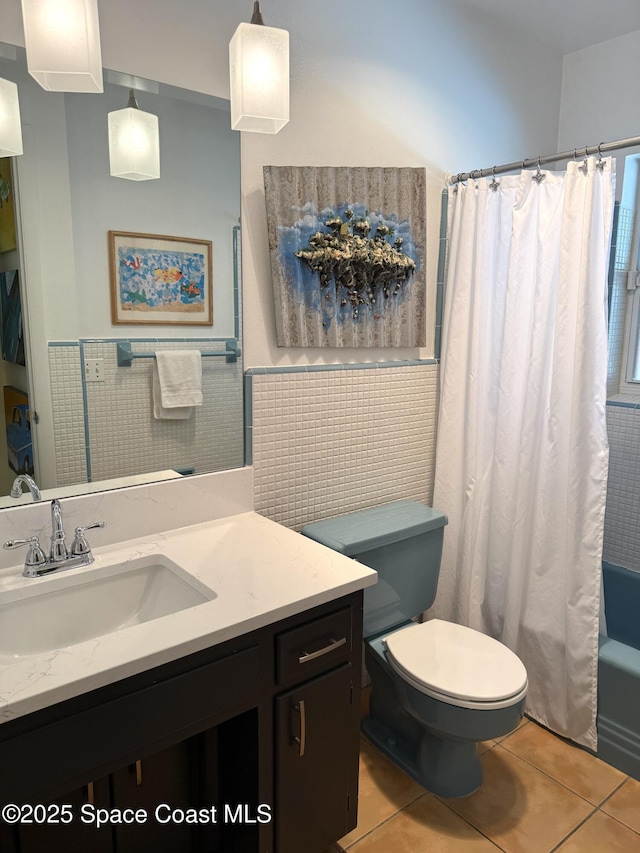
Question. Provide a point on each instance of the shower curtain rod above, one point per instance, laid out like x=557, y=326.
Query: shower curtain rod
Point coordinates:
x=602, y=148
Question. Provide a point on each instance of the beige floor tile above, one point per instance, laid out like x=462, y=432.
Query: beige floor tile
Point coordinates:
x=581, y=772
x=602, y=833
x=625, y=804
x=518, y=807
x=523, y=722
x=425, y=825
x=384, y=790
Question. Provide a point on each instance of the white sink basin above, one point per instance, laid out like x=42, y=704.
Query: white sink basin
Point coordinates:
x=69, y=608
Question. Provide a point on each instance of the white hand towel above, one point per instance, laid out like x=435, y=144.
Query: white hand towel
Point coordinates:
x=177, y=384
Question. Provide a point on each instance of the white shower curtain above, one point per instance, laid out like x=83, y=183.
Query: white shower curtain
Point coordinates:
x=521, y=459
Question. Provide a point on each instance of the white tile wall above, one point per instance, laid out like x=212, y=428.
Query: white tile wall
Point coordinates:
x=621, y=529
x=68, y=414
x=331, y=442
x=124, y=437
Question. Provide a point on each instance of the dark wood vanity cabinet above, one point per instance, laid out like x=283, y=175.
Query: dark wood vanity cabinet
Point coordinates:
x=316, y=776
x=250, y=746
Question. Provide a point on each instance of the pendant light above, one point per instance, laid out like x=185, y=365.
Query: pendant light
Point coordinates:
x=62, y=38
x=134, y=144
x=10, y=129
x=259, y=76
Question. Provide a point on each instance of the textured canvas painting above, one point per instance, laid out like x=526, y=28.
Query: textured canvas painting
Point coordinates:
x=347, y=248
x=11, y=315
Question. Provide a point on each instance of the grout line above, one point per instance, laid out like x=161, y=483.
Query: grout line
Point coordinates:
x=390, y=817
x=444, y=802
x=553, y=778
x=575, y=829
x=621, y=822
x=615, y=791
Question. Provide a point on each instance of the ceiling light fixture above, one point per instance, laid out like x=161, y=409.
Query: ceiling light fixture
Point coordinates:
x=134, y=143
x=10, y=129
x=259, y=76
x=62, y=38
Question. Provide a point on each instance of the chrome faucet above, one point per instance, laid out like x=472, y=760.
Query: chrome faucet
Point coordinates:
x=60, y=557
x=16, y=488
x=58, y=552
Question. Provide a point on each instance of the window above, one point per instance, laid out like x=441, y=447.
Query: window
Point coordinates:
x=624, y=314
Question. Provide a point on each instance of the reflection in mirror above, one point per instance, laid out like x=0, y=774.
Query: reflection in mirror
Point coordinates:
x=92, y=419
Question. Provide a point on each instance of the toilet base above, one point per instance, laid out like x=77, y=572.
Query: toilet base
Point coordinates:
x=446, y=768
x=434, y=743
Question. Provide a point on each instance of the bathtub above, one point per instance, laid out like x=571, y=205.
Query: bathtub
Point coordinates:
x=619, y=672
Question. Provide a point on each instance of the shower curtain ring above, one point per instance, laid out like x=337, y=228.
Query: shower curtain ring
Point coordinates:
x=600, y=161
x=585, y=165
x=494, y=184
x=539, y=175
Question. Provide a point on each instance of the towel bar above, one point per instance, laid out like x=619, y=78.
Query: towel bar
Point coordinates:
x=126, y=354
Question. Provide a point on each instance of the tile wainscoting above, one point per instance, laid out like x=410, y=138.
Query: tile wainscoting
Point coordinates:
x=331, y=439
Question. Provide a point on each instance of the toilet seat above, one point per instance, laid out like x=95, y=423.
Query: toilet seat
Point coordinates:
x=457, y=665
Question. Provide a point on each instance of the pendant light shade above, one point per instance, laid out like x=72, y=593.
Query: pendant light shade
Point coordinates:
x=62, y=38
x=10, y=129
x=134, y=143
x=259, y=76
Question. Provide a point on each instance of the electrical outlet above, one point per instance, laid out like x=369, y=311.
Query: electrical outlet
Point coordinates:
x=94, y=369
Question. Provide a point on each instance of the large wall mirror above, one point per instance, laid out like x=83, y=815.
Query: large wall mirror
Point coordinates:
x=92, y=420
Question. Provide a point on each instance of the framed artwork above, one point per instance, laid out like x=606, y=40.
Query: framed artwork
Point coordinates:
x=347, y=248
x=12, y=338
x=7, y=211
x=18, y=428
x=160, y=280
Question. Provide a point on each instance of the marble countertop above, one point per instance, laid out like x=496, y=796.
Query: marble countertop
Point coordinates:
x=259, y=571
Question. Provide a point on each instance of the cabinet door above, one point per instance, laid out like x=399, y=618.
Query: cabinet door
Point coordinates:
x=317, y=747
x=165, y=777
x=75, y=837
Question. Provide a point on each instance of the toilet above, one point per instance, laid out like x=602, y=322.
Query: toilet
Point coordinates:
x=437, y=688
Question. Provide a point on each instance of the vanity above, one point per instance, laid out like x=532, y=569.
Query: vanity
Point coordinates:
x=231, y=724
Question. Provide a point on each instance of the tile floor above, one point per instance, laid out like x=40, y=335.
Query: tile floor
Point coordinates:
x=539, y=794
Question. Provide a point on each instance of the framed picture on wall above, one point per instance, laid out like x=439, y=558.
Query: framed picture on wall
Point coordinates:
x=11, y=336
x=18, y=430
x=7, y=211
x=159, y=280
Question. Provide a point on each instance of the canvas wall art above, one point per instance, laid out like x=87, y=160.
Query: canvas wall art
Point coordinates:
x=7, y=210
x=18, y=429
x=160, y=280
x=347, y=249
x=11, y=317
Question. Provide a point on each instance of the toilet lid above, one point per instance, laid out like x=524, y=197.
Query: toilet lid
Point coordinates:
x=457, y=664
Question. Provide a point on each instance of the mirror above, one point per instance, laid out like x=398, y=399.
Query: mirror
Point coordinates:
x=92, y=420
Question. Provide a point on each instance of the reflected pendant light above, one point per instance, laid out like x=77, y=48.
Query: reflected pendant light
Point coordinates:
x=10, y=129
x=134, y=143
x=259, y=76
x=62, y=39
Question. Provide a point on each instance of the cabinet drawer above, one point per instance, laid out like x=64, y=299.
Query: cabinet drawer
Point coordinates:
x=314, y=647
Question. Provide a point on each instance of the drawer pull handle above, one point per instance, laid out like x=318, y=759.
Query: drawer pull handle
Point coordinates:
x=91, y=797
x=138, y=773
x=334, y=644
x=302, y=740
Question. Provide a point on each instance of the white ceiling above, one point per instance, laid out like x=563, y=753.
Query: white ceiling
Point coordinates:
x=567, y=25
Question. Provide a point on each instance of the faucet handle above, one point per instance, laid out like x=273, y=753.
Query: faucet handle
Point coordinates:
x=35, y=555
x=80, y=546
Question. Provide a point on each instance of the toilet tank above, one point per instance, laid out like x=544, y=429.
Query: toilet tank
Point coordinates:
x=402, y=541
